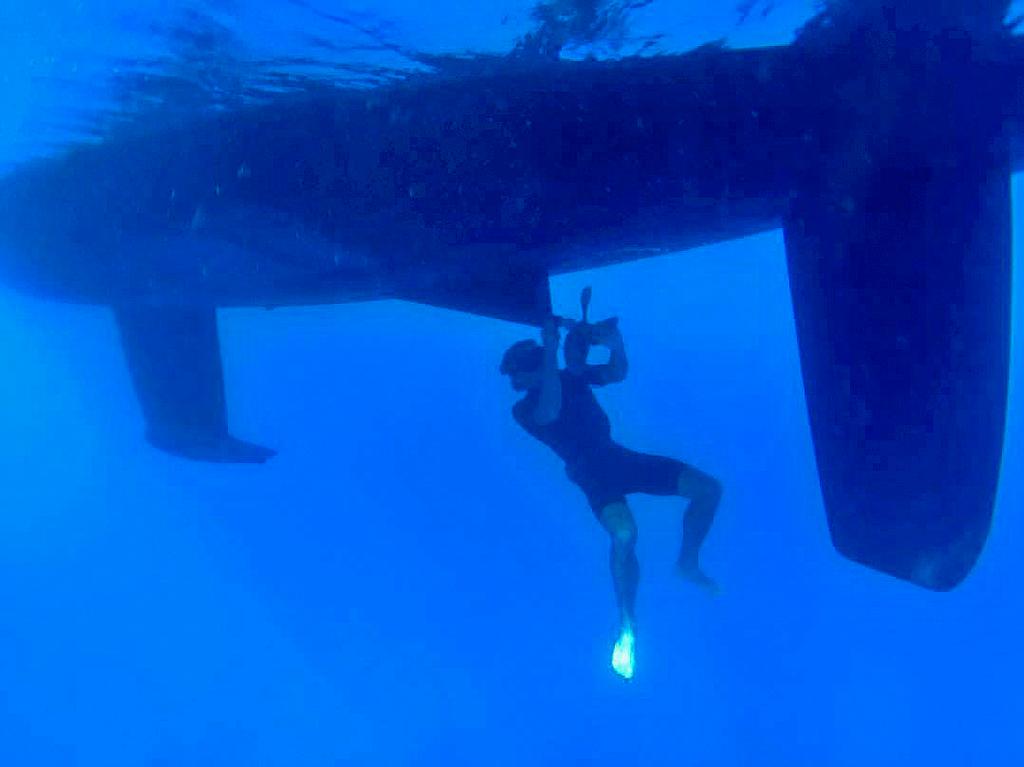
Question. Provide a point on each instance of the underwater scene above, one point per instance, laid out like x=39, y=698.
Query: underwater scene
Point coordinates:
x=521, y=382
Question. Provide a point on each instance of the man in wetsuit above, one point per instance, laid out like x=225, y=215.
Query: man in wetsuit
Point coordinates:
x=560, y=410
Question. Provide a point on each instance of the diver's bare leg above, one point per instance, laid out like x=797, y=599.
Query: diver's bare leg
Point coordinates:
x=618, y=521
x=704, y=492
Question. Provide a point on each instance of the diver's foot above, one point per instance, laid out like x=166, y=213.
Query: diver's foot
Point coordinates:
x=624, y=653
x=689, y=571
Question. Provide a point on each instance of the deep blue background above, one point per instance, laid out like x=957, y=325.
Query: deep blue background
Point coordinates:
x=413, y=581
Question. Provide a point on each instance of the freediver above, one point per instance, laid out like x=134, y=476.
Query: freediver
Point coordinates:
x=561, y=411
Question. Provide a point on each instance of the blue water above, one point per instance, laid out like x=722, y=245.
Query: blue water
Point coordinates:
x=412, y=581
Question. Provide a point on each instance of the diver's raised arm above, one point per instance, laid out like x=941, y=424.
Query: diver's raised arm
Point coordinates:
x=618, y=364
x=607, y=334
x=549, y=405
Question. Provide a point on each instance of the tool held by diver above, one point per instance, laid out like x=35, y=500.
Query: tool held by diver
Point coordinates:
x=590, y=331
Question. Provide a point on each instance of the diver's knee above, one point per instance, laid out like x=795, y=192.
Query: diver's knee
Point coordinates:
x=625, y=536
x=713, y=490
x=697, y=485
x=620, y=525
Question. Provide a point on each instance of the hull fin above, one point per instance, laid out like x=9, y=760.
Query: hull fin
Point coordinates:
x=900, y=277
x=173, y=356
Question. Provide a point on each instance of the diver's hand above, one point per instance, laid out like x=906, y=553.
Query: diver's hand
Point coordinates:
x=607, y=333
x=549, y=333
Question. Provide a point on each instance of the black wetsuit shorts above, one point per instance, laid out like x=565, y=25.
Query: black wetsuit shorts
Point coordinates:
x=608, y=474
